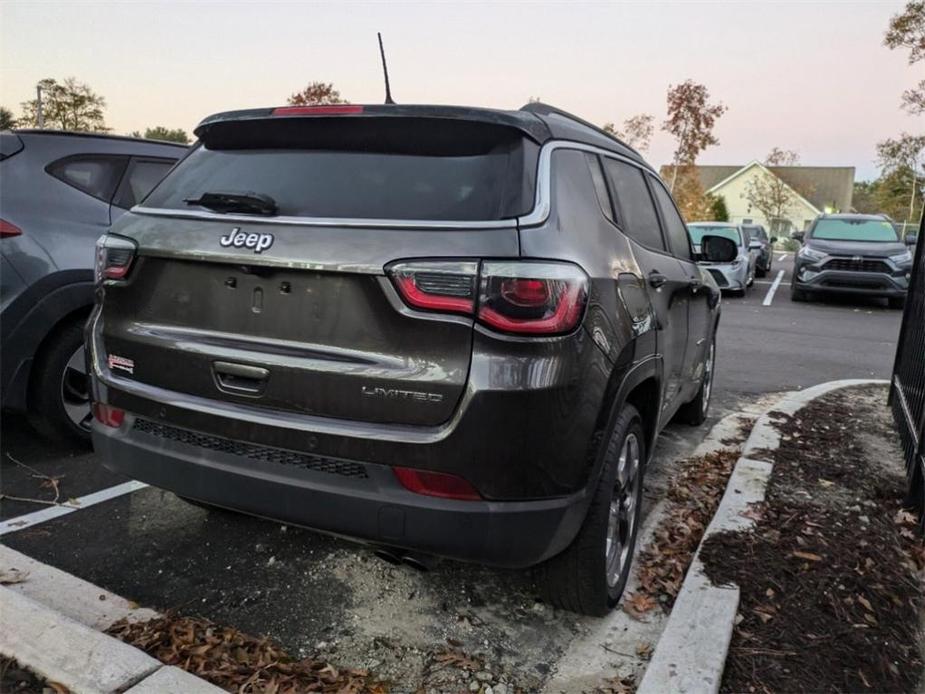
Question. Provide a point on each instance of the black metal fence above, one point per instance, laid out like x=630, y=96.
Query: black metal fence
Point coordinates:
x=907, y=390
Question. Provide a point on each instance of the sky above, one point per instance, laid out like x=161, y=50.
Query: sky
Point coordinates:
x=813, y=77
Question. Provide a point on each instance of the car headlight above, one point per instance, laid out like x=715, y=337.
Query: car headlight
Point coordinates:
x=810, y=254
x=903, y=258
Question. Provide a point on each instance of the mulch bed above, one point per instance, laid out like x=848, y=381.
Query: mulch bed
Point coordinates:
x=237, y=662
x=15, y=679
x=831, y=576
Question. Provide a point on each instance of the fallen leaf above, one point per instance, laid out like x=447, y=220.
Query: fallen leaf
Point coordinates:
x=809, y=556
x=864, y=601
x=11, y=576
x=638, y=604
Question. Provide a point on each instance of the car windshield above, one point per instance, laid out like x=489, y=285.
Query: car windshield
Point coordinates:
x=698, y=232
x=854, y=230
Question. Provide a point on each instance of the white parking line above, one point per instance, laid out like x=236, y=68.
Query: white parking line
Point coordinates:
x=46, y=514
x=770, y=295
x=782, y=258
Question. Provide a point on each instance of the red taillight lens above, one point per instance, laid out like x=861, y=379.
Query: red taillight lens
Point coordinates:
x=448, y=287
x=108, y=415
x=437, y=484
x=525, y=298
x=114, y=257
x=7, y=229
x=532, y=298
x=333, y=110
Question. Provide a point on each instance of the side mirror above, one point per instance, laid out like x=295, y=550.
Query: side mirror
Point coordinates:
x=912, y=239
x=773, y=239
x=718, y=249
x=798, y=236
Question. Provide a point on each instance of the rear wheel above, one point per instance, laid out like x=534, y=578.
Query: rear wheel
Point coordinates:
x=798, y=294
x=761, y=272
x=59, y=398
x=590, y=574
x=695, y=411
x=897, y=302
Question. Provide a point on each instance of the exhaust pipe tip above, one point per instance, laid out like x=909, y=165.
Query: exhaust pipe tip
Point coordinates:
x=387, y=556
x=396, y=557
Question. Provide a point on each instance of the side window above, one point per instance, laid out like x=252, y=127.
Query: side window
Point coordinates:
x=93, y=174
x=674, y=226
x=600, y=186
x=635, y=210
x=141, y=177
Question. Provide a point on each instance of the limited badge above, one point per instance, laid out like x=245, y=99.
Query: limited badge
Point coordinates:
x=122, y=363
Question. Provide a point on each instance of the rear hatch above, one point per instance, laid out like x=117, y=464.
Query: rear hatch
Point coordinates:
x=260, y=270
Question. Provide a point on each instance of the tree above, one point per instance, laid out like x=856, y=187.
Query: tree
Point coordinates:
x=691, y=119
x=317, y=94
x=904, y=153
x=689, y=195
x=907, y=30
x=720, y=212
x=637, y=131
x=161, y=133
x=7, y=121
x=769, y=194
x=68, y=105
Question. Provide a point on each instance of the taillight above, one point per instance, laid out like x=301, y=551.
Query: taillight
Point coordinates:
x=526, y=298
x=438, y=484
x=447, y=287
x=108, y=415
x=7, y=229
x=332, y=110
x=532, y=298
x=114, y=257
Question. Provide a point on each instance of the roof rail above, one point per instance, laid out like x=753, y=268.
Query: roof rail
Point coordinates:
x=541, y=109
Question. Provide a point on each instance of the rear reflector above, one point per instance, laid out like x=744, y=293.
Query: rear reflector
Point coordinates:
x=334, y=110
x=108, y=415
x=7, y=230
x=437, y=484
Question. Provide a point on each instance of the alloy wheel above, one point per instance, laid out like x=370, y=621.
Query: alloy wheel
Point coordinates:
x=621, y=522
x=708, y=376
x=75, y=391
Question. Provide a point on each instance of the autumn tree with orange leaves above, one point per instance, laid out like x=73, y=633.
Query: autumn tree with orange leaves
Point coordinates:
x=317, y=94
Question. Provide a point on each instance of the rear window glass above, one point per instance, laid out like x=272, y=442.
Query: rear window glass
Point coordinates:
x=854, y=230
x=346, y=176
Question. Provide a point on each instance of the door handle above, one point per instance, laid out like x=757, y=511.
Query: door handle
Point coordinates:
x=657, y=279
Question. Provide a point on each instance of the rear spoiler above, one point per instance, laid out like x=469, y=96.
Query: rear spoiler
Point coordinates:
x=526, y=123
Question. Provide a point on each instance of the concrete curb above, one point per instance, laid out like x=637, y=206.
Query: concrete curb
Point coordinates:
x=51, y=622
x=691, y=653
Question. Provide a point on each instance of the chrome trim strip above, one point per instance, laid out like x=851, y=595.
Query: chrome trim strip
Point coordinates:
x=543, y=201
x=323, y=221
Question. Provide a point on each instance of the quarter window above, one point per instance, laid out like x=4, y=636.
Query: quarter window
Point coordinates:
x=600, y=186
x=93, y=174
x=674, y=225
x=141, y=177
x=635, y=211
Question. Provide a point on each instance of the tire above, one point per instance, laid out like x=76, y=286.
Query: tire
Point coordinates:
x=738, y=293
x=798, y=294
x=59, y=395
x=589, y=576
x=695, y=411
x=897, y=302
x=761, y=272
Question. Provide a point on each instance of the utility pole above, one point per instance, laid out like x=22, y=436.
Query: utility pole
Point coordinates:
x=39, y=116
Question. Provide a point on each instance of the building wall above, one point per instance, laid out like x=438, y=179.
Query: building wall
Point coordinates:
x=740, y=210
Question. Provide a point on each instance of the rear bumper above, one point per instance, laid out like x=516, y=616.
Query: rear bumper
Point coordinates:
x=359, y=500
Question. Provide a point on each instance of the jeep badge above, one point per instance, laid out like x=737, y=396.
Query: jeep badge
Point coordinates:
x=242, y=239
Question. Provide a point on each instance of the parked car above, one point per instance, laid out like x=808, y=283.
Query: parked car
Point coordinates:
x=852, y=254
x=759, y=242
x=59, y=192
x=437, y=330
x=737, y=275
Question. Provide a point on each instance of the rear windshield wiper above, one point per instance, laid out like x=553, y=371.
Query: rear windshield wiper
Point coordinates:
x=250, y=203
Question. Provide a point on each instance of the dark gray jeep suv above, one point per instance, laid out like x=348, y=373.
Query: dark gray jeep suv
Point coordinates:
x=438, y=330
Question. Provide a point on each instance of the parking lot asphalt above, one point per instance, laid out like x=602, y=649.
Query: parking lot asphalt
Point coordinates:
x=324, y=595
